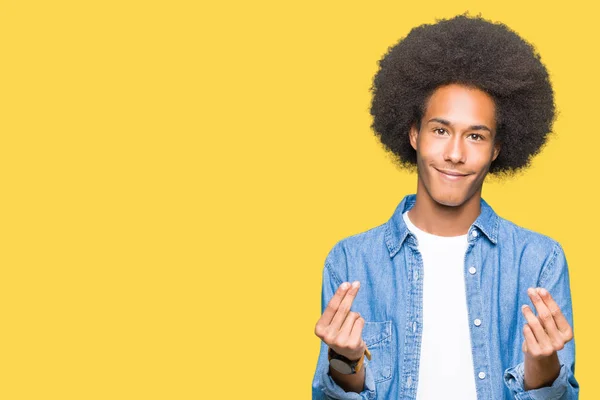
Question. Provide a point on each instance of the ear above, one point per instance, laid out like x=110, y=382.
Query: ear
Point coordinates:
x=497, y=147
x=412, y=135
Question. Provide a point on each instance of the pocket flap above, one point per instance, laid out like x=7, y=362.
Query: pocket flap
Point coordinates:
x=375, y=332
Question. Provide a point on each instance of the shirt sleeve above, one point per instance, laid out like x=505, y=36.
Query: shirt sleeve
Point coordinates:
x=555, y=278
x=323, y=386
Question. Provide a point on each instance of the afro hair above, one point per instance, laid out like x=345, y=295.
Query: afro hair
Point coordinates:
x=477, y=53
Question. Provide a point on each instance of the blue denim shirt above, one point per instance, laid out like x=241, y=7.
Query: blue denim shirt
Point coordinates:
x=502, y=260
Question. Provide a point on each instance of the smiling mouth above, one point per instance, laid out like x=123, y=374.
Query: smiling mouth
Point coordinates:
x=453, y=175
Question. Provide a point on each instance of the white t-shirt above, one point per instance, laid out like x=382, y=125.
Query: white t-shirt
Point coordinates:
x=446, y=362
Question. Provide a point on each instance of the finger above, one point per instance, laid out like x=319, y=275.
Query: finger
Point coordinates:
x=545, y=318
x=346, y=329
x=561, y=322
x=344, y=308
x=334, y=304
x=531, y=345
x=346, y=344
x=356, y=335
x=541, y=336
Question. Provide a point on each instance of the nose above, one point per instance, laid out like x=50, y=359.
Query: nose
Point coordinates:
x=454, y=151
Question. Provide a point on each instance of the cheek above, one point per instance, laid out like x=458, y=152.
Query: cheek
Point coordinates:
x=430, y=149
x=482, y=158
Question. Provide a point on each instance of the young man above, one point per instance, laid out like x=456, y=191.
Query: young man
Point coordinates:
x=444, y=284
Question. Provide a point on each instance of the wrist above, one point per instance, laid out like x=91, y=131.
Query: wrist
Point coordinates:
x=344, y=365
x=540, y=372
x=350, y=383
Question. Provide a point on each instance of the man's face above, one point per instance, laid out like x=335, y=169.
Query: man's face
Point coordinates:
x=455, y=145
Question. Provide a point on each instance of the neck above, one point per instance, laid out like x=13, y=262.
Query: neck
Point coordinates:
x=441, y=220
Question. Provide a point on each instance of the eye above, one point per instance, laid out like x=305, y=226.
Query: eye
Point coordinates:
x=477, y=137
x=440, y=131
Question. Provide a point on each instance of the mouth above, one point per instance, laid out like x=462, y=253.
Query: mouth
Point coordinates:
x=451, y=175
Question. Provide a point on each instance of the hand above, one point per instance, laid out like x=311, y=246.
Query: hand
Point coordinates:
x=545, y=335
x=549, y=331
x=340, y=328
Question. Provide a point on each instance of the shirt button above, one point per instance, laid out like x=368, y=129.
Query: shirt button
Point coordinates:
x=474, y=233
x=472, y=270
x=409, y=381
x=414, y=326
x=481, y=375
x=477, y=322
x=416, y=275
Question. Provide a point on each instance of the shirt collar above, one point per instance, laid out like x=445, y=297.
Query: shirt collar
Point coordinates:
x=396, y=230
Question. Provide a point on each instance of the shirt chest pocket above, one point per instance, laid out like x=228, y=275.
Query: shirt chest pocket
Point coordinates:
x=378, y=337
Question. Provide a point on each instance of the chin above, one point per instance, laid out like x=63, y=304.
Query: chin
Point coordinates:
x=450, y=200
x=449, y=203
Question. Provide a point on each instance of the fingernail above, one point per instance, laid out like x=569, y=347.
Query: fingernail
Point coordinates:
x=543, y=291
x=355, y=284
x=344, y=285
x=524, y=306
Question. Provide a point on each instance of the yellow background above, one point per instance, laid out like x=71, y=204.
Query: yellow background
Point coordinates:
x=174, y=173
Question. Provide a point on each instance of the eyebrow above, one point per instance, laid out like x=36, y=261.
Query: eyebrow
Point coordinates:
x=471, y=128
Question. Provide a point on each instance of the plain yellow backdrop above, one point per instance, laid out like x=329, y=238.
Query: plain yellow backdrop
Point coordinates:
x=174, y=173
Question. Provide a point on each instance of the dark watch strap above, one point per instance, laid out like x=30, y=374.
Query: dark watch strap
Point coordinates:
x=344, y=365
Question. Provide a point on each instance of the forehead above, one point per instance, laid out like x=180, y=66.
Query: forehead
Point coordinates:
x=461, y=105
